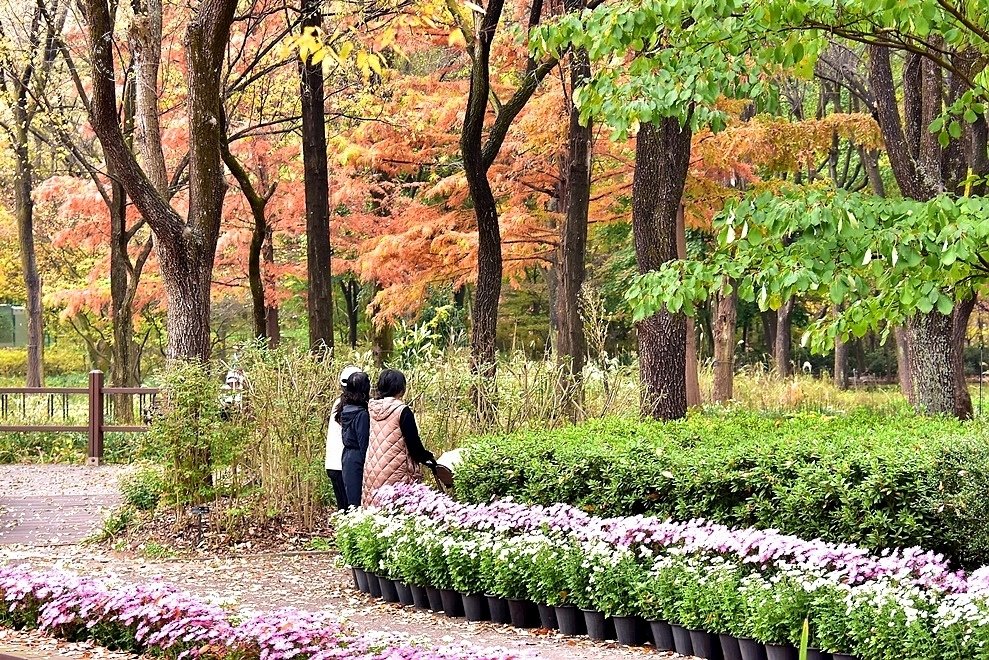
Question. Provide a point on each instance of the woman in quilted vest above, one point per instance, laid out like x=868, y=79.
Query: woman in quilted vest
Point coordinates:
x=395, y=451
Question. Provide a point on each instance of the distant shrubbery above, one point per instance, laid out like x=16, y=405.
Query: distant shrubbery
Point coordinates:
x=878, y=482
x=59, y=361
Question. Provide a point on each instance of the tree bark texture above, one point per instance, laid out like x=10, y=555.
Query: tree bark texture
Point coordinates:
x=662, y=155
x=932, y=363
x=571, y=344
x=903, y=359
x=840, y=376
x=186, y=247
x=724, y=346
x=959, y=335
x=782, y=355
x=317, y=191
x=768, y=319
x=692, y=380
x=273, y=327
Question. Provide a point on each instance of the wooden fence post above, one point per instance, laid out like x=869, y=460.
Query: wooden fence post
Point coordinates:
x=94, y=450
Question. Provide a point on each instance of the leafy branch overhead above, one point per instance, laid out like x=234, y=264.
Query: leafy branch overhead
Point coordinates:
x=882, y=260
x=655, y=59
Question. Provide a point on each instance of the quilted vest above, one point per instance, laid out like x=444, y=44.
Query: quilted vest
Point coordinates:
x=388, y=460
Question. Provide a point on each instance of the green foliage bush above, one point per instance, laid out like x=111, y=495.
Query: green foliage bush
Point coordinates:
x=142, y=489
x=59, y=361
x=878, y=482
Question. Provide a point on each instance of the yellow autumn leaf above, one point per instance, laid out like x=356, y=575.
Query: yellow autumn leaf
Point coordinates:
x=346, y=48
x=374, y=62
x=456, y=38
x=362, y=64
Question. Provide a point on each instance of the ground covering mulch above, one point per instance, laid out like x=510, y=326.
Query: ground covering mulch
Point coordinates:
x=268, y=581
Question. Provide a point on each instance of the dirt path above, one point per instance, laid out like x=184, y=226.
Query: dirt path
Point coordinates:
x=304, y=581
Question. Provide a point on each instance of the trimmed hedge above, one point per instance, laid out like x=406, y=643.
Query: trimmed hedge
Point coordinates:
x=880, y=483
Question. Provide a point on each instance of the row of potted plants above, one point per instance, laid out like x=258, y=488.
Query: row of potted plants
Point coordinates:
x=161, y=621
x=487, y=561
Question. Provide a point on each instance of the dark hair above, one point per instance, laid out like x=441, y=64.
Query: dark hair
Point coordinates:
x=356, y=393
x=391, y=382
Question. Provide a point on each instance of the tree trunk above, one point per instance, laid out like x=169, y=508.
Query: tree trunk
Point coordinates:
x=840, y=364
x=903, y=368
x=255, y=277
x=959, y=334
x=24, y=206
x=769, y=319
x=781, y=352
x=662, y=155
x=317, y=191
x=571, y=344
x=693, y=383
x=932, y=363
x=186, y=247
x=273, y=329
x=724, y=347
x=351, y=296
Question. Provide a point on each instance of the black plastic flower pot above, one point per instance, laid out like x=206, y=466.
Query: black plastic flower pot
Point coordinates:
x=453, y=604
x=498, y=609
x=818, y=654
x=570, y=620
x=388, y=591
x=523, y=613
x=662, y=635
x=547, y=617
x=781, y=652
x=629, y=630
x=419, y=597
x=599, y=627
x=404, y=593
x=729, y=647
x=751, y=649
x=360, y=579
x=435, y=599
x=705, y=645
x=373, y=586
x=475, y=607
x=681, y=640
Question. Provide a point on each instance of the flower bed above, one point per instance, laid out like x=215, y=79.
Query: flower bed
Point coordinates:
x=745, y=584
x=876, y=482
x=160, y=620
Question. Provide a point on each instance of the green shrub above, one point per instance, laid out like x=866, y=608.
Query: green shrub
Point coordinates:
x=60, y=360
x=142, y=489
x=856, y=478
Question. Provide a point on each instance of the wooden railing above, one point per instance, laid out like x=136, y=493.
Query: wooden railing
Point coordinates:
x=96, y=427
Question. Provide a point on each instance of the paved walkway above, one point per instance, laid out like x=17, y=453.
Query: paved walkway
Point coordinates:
x=53, y=505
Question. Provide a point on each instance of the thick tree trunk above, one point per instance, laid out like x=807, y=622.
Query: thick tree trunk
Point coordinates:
x=24, y=208
x=782, y=351
x=662, y=155
x=724, y=347
x=317, y=191
x=186, y=248
x=571, y=344
x=693, y=382
x=932, y=363
x=903, y=359
x=959, y=335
